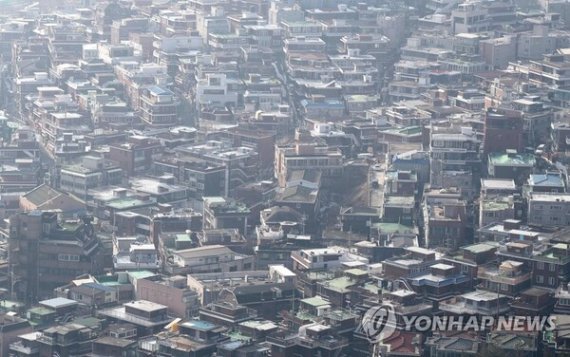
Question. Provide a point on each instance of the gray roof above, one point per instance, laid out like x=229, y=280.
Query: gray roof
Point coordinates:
x=298, y=193
x=306, y=175
x=42, y=194
x=282, y=214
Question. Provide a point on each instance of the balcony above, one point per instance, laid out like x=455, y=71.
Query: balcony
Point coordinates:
x=46, y=340
x=296, y=256
x=462, y=306
x=282, y=340
x=23, y=350
x=495, y=276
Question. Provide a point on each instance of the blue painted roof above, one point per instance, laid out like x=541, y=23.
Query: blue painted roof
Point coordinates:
x=97, y=286
x=199, y=325
x=548, y=179
x=156, y=90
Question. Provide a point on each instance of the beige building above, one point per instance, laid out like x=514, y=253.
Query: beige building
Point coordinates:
x=306, y=153
x=45, y=198
x=10, y=328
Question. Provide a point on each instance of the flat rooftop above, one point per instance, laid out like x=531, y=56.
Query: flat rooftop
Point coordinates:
x=480, y=295
x=145, y=305
x=559, y=197
x=58, y=303
x=505, y=159
x=315, y=301
x=199, y=325
x=498, y=184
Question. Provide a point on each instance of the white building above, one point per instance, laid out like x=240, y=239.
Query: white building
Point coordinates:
x=216, y=88
x=549, y=209
x=324, y=258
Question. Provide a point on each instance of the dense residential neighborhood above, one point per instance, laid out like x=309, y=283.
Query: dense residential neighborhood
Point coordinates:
x=275, y=178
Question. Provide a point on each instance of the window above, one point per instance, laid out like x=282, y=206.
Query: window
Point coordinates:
x=68, y=258
x=552, y=267
x=540, y=266
x=539, y=279
x=551, y=281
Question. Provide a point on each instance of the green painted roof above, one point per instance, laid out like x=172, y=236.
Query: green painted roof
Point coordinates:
x=40, y=310
x=391, y=228
x=479, y=248
x=315, y=301
x=408, y=130
x=493, y=205
x=141, y=274
x=183, y=238
x=340, y=285
x=127, y=202
x=504, y=159
x=356, y=271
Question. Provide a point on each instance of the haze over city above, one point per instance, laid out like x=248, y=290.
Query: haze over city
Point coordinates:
x=301, y=178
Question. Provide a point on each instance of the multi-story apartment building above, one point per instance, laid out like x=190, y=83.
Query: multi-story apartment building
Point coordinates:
x=508, y=277
x=322, y=259
x=241, y=164
x=302, y=28
x=45, y=253
x=263, y=142
x=202, y=177
x=120, y=29
x=148, y=317
x=216, y=89
x=135, y=156
x=265, y=35
x=550, y=265
x=303, y=44
x=497, y=209
x=172, y=292
x=303, y=153
x=454, y=159
x=162, y=189
x=92, y=172
x=211, y=17
x=174, y=23
x=503, y=130
x=511, y=165
x=553, y=70
x=168, y=49
x=369, y=44
x=12, y=327
x=159, y=106
x=547, y=183
x=220, y=213
x=29, y=85
x=113, y=113
x=60, y=131
x=549, y=209
x=135, y=76
x=207, y=259
x=445, y=223
x=469, y=18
